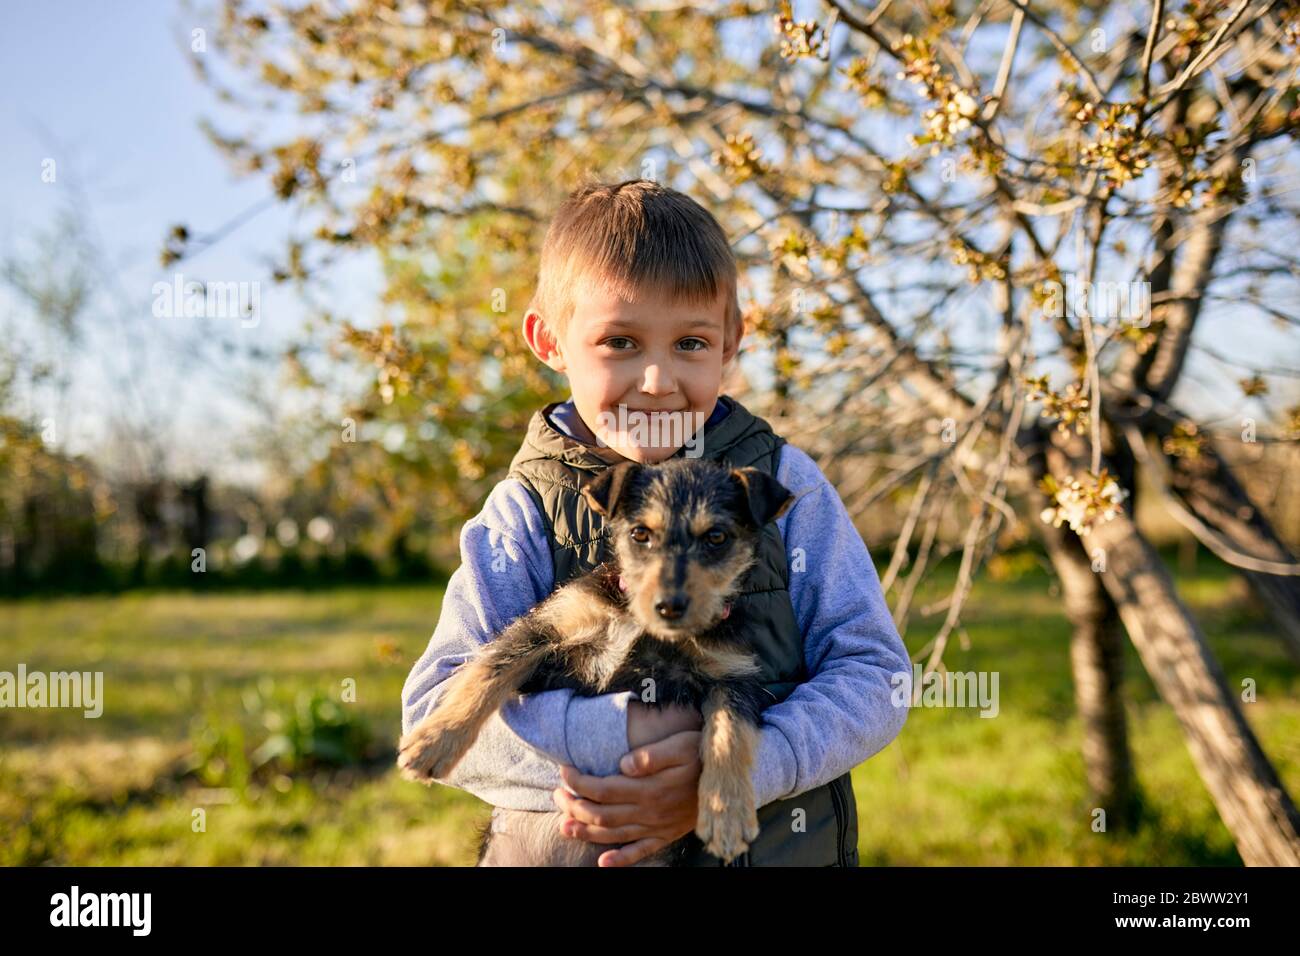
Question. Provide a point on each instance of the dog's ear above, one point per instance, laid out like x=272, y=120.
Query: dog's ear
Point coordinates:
x=604, y=491
x=768, y=499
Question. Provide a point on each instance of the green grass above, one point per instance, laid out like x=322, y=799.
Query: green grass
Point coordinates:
x=956, y=788
x=953, y=789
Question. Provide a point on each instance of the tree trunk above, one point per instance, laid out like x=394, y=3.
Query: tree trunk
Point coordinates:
x=197, y=519
x=1207, y=487
x=1245, y=788
x=1097, y=666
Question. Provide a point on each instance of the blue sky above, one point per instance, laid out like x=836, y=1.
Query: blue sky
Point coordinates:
x=105, y=90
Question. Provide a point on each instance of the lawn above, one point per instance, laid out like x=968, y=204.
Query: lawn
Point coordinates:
x=195, y=684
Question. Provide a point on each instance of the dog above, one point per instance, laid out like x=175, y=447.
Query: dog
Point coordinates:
x=656, y=619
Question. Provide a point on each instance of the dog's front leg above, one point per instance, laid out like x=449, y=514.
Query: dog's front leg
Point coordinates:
x=474, y=693
x=728, y=820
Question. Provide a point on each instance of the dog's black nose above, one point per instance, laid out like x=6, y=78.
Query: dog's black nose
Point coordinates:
x=672, y=608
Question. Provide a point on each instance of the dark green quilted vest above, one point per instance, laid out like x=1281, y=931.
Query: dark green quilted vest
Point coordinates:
x=553, y=466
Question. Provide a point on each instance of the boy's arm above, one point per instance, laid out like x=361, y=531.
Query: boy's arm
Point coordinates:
x=506, y=569
x=845, y=712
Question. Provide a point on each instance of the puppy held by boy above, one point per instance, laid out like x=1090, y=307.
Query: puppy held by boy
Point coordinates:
x=656, y=620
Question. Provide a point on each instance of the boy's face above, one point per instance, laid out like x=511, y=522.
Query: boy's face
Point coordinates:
x=648, y=355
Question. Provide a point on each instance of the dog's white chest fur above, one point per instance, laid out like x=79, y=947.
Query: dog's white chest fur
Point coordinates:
x=620, y=635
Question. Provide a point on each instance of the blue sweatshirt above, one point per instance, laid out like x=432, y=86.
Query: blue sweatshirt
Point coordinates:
x=853, y=704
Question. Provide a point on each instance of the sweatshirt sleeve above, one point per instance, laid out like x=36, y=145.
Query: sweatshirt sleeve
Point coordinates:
x=859, y=686
x=506, y=569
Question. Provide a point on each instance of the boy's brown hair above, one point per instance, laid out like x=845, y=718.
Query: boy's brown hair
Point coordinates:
x=631, y=235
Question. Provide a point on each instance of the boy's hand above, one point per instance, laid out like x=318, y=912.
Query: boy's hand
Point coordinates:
x=647, y=723
x=653, y=802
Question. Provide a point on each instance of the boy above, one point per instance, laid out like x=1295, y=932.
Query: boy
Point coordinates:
x=637, y=306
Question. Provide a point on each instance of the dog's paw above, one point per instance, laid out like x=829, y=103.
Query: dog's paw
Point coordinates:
x=727, y=822
x=430, y=751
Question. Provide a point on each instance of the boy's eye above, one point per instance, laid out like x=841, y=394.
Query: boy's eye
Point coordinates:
x=698, y=344
x=611, y=342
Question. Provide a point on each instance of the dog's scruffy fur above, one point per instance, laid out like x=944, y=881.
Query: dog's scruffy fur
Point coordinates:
x=655, y=620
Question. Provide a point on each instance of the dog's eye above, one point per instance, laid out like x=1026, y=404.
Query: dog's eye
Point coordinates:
x=640, y=535
x=716, y=538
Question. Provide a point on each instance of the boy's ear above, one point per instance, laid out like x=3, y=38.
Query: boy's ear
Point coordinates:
x=768, y=499
x=541, y=340
x=604, y=491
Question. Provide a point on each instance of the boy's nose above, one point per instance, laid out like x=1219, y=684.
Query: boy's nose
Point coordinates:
x=657, y=380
